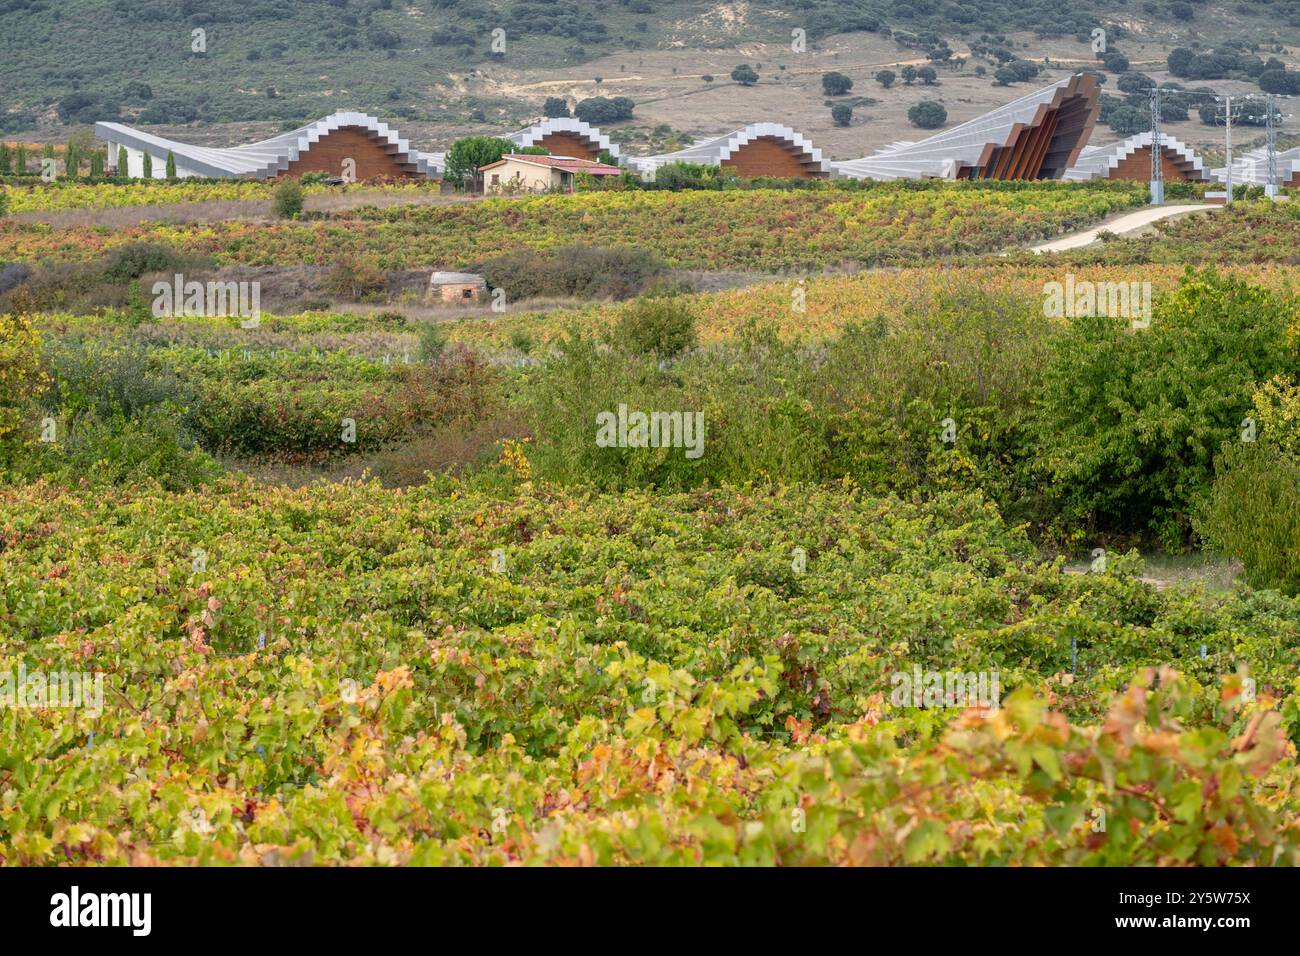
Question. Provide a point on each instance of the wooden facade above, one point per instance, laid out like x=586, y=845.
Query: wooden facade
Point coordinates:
x=1048, y=145
x=1173, y=167
x=563, y=143
x=374, y=159
x=771, y=156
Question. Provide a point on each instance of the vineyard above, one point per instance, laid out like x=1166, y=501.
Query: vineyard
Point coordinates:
x=364, y=585
x=766, y=230
x=644, y=679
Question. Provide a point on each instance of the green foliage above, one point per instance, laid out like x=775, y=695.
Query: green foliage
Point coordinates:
x=132, y=261
x=466, y=155
x=886, y=78
x=836, y=84
x=842, y=114
x=171, y=166
x=123, y=163
x=662, y=326
x=1253, y=514
x=555, y=106
x=927, y=114
x=432, y=342
x=287, y=203
x=1131, y=422
x=572, y=271
x=745, y=75
x=345, y=679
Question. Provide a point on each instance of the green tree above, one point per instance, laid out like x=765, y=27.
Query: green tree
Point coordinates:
x=836, y=84
x=6, y=160
x=467, y=155
x=171, y=165
x=842, y=114
x=123, y=163
x=97, y=164
x=927, y=114
x=744, y=75
x=927, y=75
x=555, y=107
x=71, y=161
x=886, y=78
x=909, y=75
x=148, y=166
x=20, y=160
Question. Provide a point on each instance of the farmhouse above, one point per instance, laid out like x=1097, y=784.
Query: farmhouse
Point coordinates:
x=1131, y=159
x=565, y=136
x=352, y=145
x=514, y=173
x=759, y=149
x=1038, y=136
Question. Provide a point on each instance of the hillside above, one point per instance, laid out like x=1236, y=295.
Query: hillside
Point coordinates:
x=431, y=65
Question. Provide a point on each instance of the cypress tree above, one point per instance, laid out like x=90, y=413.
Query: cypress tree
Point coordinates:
x=71, y=161
x=171, y=165
x=97, y=164
x=6, y=160
x=148, y=166
x=20, y=162
x=123, y=163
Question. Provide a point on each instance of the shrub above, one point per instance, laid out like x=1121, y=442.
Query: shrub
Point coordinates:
x=20, y=371
x=836, y=84
x=745, y=75
x=355, y=280
x=287, y=203
x=660, y=326
x=119, y=450
x=555, y=106
x=137, y=258
x=616, y=272
x=886, y=78
x=927, y=114
x=1253, y=514
x=842, y=114
x=432, y=342
x=1130, y=423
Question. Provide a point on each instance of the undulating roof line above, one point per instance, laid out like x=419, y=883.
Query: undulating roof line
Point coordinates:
x=1251, y=168
x=531, y=135
x=270, y=157
x=1036, y=136
x=714, y=151
x=1101, y=160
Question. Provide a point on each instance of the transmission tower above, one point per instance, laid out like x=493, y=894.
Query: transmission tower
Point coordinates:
x=1157, y=171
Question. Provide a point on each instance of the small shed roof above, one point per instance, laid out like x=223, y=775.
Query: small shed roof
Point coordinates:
x=455, y=278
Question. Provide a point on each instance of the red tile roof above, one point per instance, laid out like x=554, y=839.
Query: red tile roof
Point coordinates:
x=567, y=163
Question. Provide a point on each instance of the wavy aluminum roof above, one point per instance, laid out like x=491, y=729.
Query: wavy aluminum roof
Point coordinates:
x=713, y=151
x=969, y=144
x=531, y=135
x=270, y=157
x=1251, y=168
x=1097, y=161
